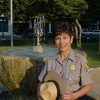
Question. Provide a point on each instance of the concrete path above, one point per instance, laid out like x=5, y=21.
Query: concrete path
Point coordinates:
x=95, y=92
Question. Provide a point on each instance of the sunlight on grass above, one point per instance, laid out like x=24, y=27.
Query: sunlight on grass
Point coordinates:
x=93, y=54
x=93, y=63
x=6, y=48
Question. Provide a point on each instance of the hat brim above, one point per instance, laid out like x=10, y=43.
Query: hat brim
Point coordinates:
x=53, y=76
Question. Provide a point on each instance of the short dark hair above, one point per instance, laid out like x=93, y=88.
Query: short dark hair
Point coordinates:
x=62, y=26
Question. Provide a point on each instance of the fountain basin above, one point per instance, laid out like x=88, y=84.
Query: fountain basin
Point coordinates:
x=19, y=70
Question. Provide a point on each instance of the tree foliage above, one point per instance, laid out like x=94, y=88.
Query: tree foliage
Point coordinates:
x=4, y=7
x=93, y=10
x=53, y=9
x=64, y=8
x=19, y=9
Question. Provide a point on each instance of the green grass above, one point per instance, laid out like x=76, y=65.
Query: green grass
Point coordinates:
x=93, y=54
x=93, y=59
x=4, y=49
x=22, y=42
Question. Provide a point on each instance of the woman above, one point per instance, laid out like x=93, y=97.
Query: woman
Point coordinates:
x=69, y=64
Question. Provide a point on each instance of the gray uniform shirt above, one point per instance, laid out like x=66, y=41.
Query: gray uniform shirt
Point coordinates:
x=71, y=69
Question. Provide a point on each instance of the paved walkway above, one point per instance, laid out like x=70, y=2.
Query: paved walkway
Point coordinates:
x=95, y=92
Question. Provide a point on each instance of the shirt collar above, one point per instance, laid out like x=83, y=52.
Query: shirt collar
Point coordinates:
x=71, y=56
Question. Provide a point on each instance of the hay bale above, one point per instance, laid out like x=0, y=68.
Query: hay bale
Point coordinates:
x=19, y=74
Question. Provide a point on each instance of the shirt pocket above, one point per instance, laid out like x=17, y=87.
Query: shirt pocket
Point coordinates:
x=73, y=81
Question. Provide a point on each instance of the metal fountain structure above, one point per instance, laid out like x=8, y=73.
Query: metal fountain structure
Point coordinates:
x=39, y=24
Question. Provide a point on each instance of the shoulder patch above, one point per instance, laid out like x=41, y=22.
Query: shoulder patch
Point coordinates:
x=86, y=67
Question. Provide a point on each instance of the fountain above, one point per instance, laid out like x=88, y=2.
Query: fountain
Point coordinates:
x=20, y=68
x=38, y=32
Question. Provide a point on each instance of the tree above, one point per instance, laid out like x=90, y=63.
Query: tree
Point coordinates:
x=93, y=10
x=68, y=10
x=53, y=10
x=5, y=7
x=19, y=9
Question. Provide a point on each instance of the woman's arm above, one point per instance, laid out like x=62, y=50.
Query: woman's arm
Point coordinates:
x=83, y=91
x=80, y=93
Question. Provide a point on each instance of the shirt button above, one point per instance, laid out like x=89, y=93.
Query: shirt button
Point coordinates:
x=70, y=78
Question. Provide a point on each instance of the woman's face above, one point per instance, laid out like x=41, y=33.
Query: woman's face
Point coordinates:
x=63, y=41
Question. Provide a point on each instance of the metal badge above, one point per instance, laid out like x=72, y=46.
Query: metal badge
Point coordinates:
x=72, y=67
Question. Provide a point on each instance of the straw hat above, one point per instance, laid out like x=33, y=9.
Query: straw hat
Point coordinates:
x=52, y=86
x=48, y=91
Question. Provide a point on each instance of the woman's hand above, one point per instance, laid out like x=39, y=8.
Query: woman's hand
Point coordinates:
x=68, y=96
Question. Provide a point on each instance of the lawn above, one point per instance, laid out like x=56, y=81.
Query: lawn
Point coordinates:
x=93, y=54
x=7, y=48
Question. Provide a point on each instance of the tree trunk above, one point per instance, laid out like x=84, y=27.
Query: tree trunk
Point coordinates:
x=78, y=32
